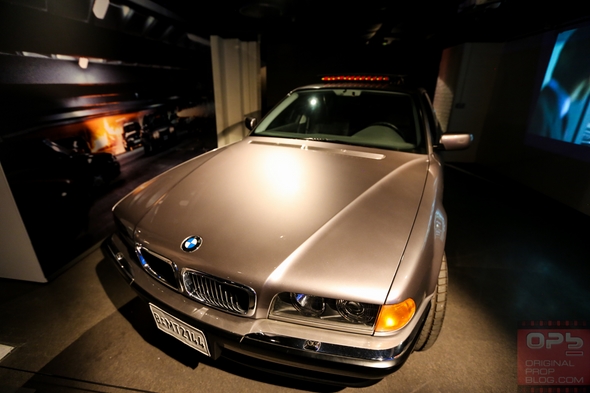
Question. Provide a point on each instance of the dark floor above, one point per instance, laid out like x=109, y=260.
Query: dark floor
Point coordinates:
x=513, y=256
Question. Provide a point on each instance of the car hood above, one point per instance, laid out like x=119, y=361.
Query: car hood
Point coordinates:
x=288, y=216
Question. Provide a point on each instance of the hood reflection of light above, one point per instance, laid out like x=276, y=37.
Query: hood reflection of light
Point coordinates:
x=284, y=173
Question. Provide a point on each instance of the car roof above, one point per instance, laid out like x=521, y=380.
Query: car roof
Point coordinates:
x=380, y=86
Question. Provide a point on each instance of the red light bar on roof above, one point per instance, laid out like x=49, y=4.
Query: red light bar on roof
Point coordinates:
x=355, y=78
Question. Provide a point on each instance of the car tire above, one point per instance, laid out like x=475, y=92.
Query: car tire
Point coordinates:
x=438, y=305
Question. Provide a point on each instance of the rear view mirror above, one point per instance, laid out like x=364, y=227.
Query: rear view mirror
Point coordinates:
x=250, y=122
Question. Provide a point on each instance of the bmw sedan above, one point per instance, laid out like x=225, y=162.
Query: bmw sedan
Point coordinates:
x=313, y=247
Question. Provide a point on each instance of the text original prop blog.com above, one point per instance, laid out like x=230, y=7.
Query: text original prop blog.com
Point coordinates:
x=553, y=354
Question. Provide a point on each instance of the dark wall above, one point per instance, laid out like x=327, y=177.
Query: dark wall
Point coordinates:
x=39, y=92
x=65, y=30
x=292, y=63
x=503, y=145
x=129, y=70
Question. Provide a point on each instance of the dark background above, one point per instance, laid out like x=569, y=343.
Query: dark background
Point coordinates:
x=150, y=54
x=150, y=57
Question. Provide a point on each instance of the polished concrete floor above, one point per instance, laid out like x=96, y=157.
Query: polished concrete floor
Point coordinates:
x=513, y=256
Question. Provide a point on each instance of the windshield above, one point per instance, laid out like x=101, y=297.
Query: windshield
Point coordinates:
x=131, y=127
x=386, y=120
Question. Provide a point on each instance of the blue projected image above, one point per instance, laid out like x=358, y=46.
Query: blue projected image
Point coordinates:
x=562, y=110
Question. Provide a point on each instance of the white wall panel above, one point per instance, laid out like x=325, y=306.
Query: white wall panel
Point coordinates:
x=236, y=80
x=17, y=257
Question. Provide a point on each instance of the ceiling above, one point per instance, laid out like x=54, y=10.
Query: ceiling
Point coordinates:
x=170, y=32
x=379, y=22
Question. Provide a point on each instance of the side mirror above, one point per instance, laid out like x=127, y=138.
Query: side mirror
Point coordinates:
x=454, y=142
x=250, y=122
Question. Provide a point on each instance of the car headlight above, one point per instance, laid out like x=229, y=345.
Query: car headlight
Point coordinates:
x=338, y=314
x=356, y=312
x=311, y=306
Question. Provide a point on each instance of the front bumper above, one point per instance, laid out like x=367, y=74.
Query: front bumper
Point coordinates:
x=133, y=142
x=267, y=344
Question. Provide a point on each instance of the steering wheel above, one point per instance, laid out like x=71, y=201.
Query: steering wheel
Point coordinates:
x=384, y=123
x=392, y=126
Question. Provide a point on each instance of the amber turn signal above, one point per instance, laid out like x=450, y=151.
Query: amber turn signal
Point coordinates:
x=395, y=316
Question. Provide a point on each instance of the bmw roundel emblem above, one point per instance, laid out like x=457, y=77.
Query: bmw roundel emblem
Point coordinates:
x=191, y=243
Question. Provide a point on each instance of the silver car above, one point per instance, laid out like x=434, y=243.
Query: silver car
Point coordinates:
x=313, y=247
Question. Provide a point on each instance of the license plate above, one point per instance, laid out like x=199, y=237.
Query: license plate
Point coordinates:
x=189, y=335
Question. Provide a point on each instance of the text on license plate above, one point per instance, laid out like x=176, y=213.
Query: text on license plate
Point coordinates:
x=189, y=335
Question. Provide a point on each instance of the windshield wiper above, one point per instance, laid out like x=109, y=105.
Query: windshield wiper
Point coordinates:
x=322, y=139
